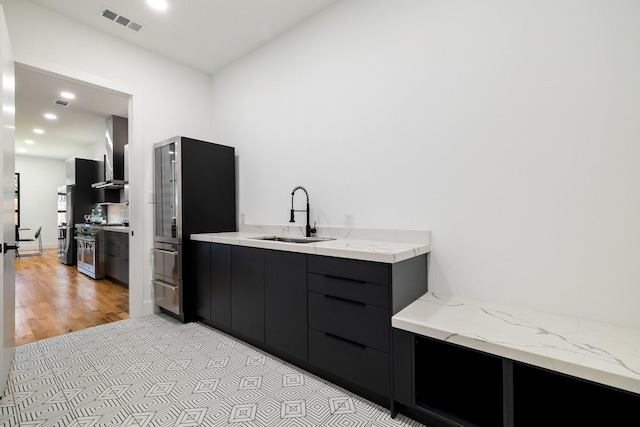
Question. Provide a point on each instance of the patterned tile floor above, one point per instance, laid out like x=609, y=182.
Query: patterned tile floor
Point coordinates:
x=156, y=371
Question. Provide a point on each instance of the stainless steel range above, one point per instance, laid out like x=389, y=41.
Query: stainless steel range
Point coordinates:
x=90, y=259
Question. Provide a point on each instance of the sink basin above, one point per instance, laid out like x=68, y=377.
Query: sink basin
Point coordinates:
x=294, y=239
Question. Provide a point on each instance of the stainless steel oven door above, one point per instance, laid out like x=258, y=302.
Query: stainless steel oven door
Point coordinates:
x=86, y=255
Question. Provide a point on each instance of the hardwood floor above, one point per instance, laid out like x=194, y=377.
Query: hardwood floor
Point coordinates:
x=53, y=299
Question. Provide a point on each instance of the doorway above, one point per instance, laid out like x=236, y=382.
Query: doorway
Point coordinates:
x=77, y=130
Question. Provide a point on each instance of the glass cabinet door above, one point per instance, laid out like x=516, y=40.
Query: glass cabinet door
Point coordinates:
x=166, y=191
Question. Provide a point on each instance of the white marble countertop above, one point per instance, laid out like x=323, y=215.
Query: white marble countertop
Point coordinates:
x=597, y=351
x=367, y=245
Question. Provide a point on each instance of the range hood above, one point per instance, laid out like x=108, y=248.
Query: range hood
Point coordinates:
x=116, y=138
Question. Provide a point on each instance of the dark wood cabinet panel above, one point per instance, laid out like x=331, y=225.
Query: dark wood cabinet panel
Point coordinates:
x=286, y=303
x=202, y=279
x=247, y=292
x=360, y=323
x=403, y=351
x=358, y=364
x=221, y=285
x=117, y=255
x=365, y=271
x=354, y=290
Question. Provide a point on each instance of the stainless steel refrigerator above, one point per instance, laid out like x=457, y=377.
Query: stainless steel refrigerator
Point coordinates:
x=194, y=192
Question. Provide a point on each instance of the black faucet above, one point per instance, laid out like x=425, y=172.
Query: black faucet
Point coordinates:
x=309, y=230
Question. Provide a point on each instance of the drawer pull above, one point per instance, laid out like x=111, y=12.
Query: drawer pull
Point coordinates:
x=345, y=279
x=345, y=300
x=357, y=344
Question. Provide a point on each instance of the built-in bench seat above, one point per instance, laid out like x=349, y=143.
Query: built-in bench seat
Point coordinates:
x=460, y=362
x=601, y=352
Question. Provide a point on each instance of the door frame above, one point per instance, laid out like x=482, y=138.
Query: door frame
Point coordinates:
x=138, y=306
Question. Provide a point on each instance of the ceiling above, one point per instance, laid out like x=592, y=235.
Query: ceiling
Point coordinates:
x=230, y=29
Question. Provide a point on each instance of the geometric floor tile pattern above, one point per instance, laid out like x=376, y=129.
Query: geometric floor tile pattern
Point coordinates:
x=156, y=371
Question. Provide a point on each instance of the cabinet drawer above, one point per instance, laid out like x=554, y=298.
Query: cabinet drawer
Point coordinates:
x=365, y=271
x=363, y=366
x=355, y=290
x=113, y=248
x=354, y=321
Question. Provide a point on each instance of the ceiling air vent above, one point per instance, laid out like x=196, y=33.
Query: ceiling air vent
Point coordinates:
x=116, y=17
x=61, y=103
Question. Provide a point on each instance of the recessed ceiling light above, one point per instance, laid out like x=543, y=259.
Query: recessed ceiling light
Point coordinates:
x=50, y=116
x=29, y=141
x=158, y=4
x=67, y=95
x=38, y=131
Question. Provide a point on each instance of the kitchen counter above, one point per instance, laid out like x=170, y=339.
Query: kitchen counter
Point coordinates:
x=116, y=228
x=386, y=246
x=601, y=352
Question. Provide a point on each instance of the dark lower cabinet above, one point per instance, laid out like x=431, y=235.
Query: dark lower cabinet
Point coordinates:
x=351, y=303
x=285, y=303
x=202, y=278
x=330, y=316
x=221, y=285
x=117, y=256
x=212, y=279
x=350, y=361
x=446, y=385
x=247, y=292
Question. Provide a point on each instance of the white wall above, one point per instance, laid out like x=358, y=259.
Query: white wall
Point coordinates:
x=168, y=99
x=509, y=129
x=39, y=182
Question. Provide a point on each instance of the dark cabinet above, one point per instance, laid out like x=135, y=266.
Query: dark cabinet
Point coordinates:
x=221, y=285
x=212, y=275
x=247, y=292
x=117, y=256
x=349, y=321
x=331, y=316
x=286, y=303
x=202, y=279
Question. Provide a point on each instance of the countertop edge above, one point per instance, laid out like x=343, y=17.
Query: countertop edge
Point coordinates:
x=366, y=250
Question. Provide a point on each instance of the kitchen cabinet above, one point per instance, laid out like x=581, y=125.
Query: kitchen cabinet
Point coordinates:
x=474, y=388
x=349, y=321
x=247, y=292
x=286, y=303
x=202, y=279
x=328, y=315
x=117, y=256
x=212, y=275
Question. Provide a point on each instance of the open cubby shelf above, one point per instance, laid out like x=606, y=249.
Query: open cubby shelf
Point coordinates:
x=452, y=385
x=459, y=383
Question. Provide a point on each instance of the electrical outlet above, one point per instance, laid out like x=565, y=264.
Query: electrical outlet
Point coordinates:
x=242, y=219
x=348, y=219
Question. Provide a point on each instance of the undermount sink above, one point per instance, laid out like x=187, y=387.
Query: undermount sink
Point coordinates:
x=294, y=239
